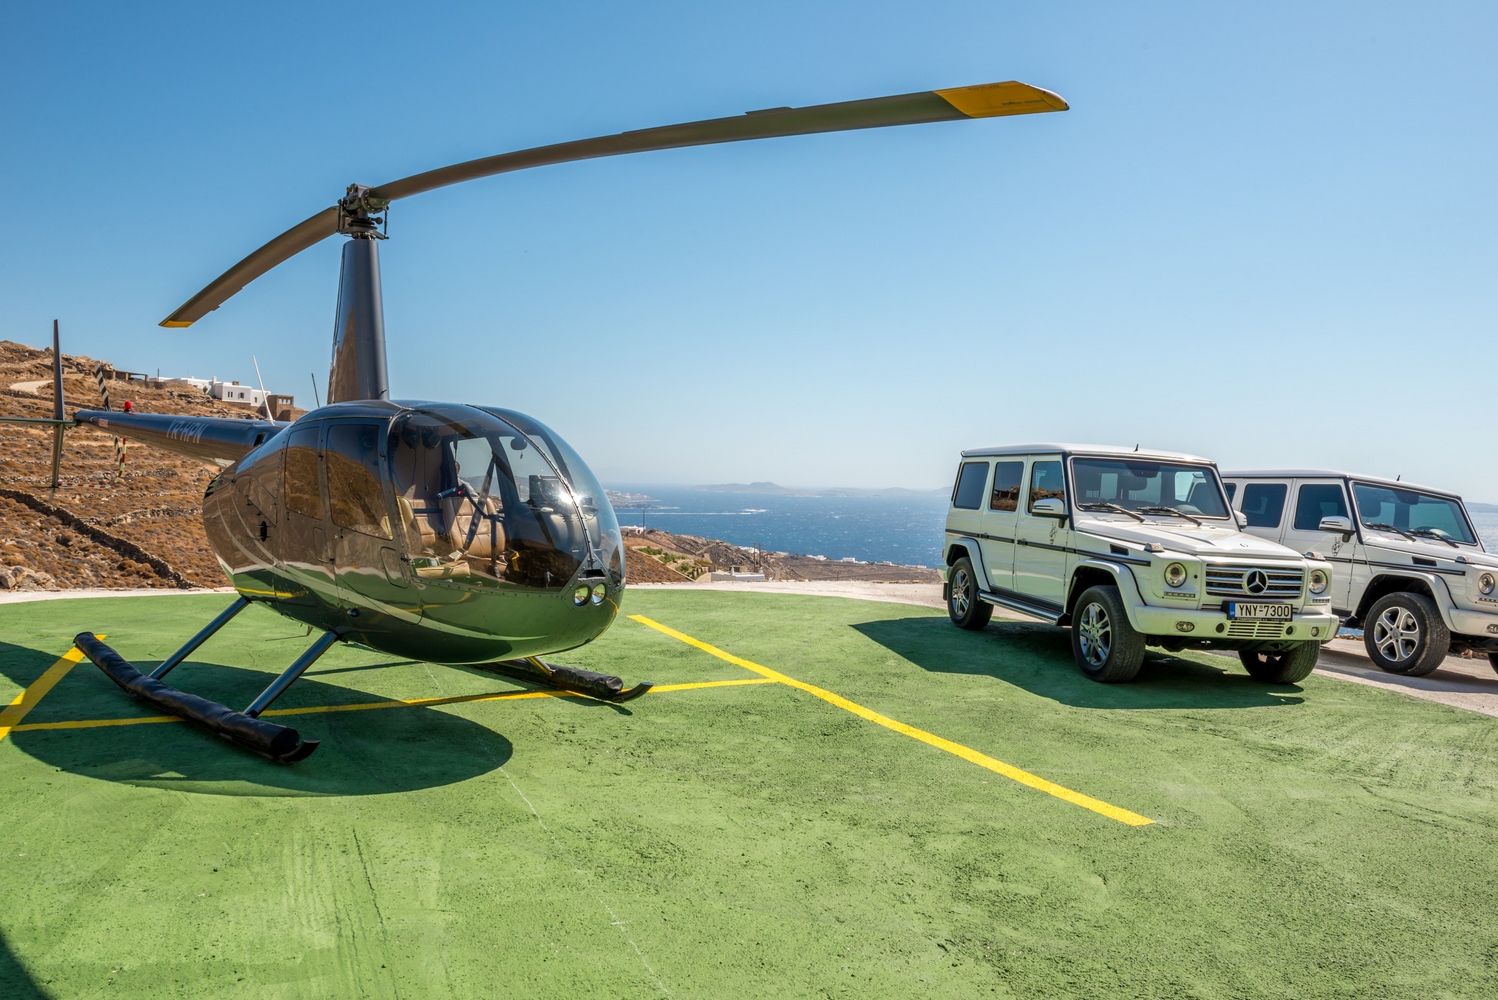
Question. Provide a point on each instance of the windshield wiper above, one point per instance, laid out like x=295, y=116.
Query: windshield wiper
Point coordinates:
x=1105, y=505
x=1173, y=510
x=1380, y=526
x=1435, y=533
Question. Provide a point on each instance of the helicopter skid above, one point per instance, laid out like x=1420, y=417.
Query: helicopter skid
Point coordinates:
x=281, y=744
x=604, y=687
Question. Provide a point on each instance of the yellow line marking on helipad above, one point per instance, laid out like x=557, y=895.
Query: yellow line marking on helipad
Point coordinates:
x=930, y=739
x=12, y=714
x=459, y=699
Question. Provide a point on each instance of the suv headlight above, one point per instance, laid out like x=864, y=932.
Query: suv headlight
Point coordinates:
x=1320, y=580
x=1175, y=575
x=1485, y=583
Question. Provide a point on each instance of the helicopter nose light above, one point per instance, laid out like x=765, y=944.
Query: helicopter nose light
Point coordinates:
x=599, y=593
x=580, y=595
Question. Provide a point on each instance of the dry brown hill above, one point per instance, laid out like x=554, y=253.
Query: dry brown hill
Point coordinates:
x=141, y=530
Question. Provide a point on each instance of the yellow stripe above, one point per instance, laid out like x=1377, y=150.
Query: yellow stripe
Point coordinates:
x=930, y=739
x=459, y=699
x=24, y=702
x=256, y=592
x=176, y=324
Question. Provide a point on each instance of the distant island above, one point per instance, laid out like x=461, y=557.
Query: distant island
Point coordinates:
x=775, y=489
x=1484, y=508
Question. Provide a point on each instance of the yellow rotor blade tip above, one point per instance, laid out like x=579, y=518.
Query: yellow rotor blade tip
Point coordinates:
x=991, y=100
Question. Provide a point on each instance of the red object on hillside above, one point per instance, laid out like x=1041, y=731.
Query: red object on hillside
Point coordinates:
x=128, y=406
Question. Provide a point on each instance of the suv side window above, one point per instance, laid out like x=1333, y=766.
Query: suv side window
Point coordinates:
x=1264, y=504
x=1006, y=480
x=1232, y=489
x=968, y=494
x=1046, y=481
x=1315, y=501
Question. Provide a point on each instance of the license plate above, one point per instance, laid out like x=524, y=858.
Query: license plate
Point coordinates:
x=1260, y=612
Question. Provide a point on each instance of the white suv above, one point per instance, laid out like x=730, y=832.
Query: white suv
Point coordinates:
x=1130, y=549
x=1409, y=567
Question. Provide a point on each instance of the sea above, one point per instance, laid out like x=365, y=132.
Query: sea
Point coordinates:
x=904, y=528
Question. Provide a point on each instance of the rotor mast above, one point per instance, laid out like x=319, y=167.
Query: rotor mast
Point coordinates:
x=358, y=370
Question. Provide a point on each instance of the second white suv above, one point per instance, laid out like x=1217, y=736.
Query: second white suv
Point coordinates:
x=1130, y=549
x=1410, y=569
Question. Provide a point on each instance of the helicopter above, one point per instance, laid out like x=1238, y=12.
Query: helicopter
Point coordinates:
x=436, y=531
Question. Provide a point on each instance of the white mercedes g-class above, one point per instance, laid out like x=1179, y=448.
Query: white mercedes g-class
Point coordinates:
x=1409, y=568
x=1131, y=549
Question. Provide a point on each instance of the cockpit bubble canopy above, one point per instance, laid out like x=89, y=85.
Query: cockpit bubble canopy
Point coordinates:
x=491, y=497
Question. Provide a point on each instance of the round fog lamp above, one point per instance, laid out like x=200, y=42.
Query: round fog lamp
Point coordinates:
x=1319, y=581
x=1175, y=575
x=599, y=592
x=580, y=595
x=1485, y=583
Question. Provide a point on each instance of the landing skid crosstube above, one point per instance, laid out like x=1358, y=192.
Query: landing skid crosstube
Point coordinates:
x=604, y=687
x=279, y=743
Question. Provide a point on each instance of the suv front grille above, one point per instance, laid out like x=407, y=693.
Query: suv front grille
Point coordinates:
x=1280, y=584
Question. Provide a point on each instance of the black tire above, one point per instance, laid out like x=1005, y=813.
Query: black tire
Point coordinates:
x=964, y=606
x=1404, y=634
x=1103, y=643
x=1285, y=667
x=1493, y=660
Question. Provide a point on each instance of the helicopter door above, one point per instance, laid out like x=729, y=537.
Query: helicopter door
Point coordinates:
x=301, y=550
x=364, y=557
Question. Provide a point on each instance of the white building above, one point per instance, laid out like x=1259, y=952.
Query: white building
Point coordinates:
x=233, y=392
x=200, y=384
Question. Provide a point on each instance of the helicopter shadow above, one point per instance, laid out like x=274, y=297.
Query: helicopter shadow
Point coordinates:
x=1038, y=658
x=15, y=982
x=364, y=752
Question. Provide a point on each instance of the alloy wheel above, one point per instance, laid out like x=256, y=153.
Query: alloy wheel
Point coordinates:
x=962, y=597
x=1095, y=634
x=1396, y=634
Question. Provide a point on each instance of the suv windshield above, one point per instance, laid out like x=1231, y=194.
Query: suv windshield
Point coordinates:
x=1412, y=512
x=1148, y=486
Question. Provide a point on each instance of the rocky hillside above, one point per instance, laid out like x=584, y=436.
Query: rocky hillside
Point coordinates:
x=688, y=556
x=141, y=530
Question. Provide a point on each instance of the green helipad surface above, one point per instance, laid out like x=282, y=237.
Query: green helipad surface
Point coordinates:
x=857, y=835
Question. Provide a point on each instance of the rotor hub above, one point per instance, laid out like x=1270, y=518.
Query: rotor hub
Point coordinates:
x=363, y=215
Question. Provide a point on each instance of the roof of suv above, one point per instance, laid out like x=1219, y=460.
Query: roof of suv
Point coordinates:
x=1331, y=474
x=1083, y=449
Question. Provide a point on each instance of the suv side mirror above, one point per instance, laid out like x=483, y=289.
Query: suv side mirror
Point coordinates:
x=1049, y=507
x=1241, y=518
x=1337, y=525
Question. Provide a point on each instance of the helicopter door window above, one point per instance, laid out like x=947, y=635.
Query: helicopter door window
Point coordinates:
x=355, y=493
x=303, y=488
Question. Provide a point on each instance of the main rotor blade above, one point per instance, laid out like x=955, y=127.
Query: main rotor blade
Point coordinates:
x=290, y=243
x=989, y=100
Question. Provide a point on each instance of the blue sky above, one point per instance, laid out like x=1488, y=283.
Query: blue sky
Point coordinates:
x=1265, y=232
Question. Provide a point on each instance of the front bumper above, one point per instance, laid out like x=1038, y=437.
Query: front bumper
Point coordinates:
x=1206, y=624
x=1476, y=624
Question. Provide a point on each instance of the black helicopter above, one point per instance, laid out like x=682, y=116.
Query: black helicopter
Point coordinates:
x=444, y=532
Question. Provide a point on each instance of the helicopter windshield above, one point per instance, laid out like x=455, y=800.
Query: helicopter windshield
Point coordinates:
x=483, y=503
